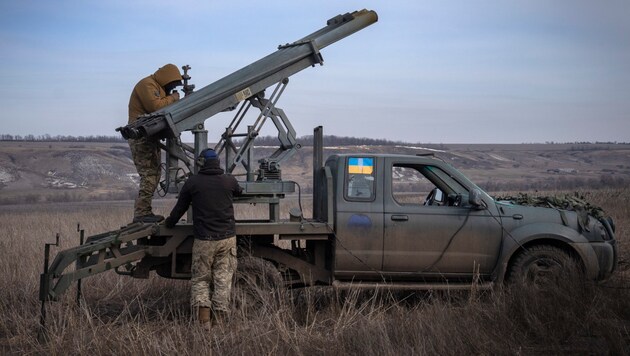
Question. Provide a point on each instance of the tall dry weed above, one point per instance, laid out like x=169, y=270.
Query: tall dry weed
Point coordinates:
x=121, y=315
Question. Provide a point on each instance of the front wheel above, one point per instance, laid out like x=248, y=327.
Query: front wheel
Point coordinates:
x=544, y=266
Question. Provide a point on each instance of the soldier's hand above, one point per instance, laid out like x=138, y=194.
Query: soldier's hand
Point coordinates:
x=175, y=95
x=169, y=222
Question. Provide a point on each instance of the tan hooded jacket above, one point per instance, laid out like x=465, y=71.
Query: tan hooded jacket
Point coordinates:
x=149, y=95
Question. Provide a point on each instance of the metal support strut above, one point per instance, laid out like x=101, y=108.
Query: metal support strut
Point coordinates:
x=268, y=110
x=43, y=289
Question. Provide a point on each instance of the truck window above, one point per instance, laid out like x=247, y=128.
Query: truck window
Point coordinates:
x=409, y=186
x=359, y=180
x=424, y=185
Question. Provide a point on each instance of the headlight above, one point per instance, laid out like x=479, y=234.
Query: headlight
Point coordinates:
x=609, y=227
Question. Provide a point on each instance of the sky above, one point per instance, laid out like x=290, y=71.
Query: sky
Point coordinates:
x=427, y=72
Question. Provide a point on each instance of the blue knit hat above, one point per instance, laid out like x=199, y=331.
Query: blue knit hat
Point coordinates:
x=209, y=153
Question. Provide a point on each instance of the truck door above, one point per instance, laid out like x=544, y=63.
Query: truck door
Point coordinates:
x=430, y=230
x=359, y=217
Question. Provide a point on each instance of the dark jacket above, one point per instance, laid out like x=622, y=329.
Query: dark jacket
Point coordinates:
x=211, y=193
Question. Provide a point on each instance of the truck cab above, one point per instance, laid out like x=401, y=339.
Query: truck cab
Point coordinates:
x=409, y=218
x=417, y=219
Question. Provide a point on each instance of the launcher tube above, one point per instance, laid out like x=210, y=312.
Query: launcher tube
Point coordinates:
x=289, y=59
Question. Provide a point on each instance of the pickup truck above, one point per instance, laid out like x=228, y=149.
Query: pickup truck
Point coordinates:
x=378, y=219
x=414, y=219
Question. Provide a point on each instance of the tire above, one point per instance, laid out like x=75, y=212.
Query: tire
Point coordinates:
x=545, y=266
x=258, y=284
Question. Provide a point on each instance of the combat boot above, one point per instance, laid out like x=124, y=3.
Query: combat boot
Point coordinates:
x=203, y=315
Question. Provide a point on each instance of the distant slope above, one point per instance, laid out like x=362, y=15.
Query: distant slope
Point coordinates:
x=43, y=171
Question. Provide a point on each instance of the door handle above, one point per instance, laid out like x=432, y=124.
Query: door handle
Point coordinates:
x=400, y=217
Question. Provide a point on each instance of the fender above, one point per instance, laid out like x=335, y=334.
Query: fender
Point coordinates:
x=545, y=233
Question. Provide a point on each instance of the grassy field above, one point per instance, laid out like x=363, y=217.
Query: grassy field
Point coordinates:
x=121, y=315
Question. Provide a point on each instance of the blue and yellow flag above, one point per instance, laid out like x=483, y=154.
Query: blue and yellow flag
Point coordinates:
x=360, y=165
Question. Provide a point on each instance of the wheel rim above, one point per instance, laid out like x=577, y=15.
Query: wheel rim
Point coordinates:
x=543, y=271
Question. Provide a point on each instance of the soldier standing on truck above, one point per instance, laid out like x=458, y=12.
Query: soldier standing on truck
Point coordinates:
x=211, y=193
x=150, y=94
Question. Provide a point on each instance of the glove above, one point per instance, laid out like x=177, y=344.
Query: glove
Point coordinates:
x=169, y=222
x=175, y=95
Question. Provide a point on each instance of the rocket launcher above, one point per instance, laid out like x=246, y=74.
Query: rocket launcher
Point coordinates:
x=226, y=93
x=244, y=89
x=138, y=248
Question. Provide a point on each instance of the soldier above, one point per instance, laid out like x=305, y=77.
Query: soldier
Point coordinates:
x=211, y=193
x=149, y=95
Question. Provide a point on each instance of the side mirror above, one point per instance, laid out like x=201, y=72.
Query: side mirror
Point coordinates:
x=474, y=199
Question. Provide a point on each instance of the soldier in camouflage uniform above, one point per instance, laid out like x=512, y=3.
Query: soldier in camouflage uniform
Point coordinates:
x=213, y=267
x=149, y=95
x=211, y=194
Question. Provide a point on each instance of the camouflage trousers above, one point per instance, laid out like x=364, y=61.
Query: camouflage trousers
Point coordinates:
x=213, y=266
x=146, y=157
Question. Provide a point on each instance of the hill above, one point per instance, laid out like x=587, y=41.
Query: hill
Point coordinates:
x=72, y=171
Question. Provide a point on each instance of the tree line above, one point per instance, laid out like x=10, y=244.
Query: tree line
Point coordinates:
x=329, y=140
x=307, y=140
x=61, y=138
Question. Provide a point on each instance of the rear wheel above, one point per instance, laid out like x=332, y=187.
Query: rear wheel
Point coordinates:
x=545, y=266
x=257, y=283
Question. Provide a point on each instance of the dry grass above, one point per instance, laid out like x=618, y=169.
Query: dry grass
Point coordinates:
x=121, y=315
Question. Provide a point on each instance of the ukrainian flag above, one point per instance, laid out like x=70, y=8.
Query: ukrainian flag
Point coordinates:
x=360, y=165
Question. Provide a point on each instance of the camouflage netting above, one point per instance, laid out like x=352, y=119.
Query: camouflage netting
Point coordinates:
x=574, y=202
